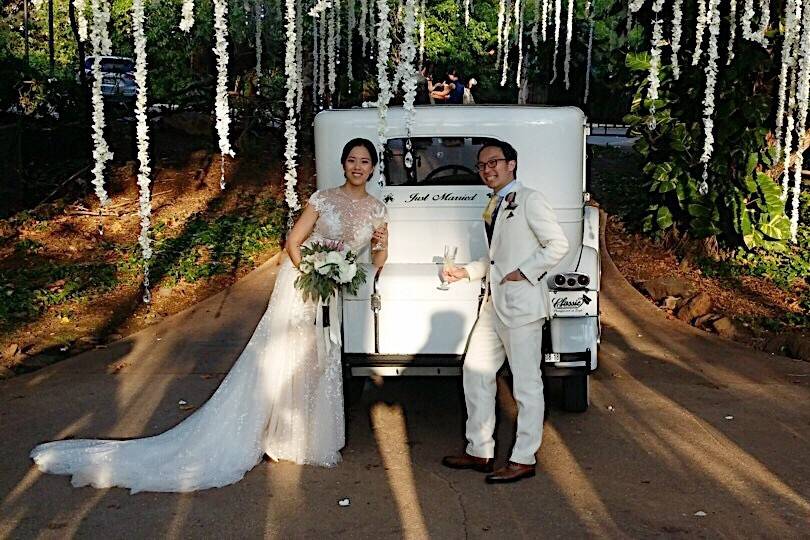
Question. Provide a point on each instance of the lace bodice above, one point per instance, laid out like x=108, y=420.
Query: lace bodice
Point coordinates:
x=343, y=218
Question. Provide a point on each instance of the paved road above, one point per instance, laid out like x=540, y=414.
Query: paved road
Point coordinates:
x=654, y=456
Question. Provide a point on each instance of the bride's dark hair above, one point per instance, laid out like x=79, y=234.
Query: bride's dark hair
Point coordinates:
x=365, y=143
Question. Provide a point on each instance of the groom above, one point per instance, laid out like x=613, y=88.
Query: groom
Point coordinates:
x=525, y=242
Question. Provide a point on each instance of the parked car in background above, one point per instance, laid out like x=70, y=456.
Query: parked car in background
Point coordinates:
x=117, y=76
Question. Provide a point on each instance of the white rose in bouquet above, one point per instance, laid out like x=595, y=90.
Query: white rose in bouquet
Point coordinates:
x=320, y=262
x=346, y=272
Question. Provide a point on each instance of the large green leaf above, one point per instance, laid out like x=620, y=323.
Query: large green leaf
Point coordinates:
x=663, y=218
x=777, y=227
x=751, y=163
x=699, y=211
x=638, y=61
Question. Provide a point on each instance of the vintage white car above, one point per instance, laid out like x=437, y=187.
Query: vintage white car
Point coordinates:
x=399, y=323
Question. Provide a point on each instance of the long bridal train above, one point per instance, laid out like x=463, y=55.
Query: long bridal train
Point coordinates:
x=275, y=400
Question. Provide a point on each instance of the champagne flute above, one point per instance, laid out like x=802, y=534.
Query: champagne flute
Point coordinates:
x=377, y=221
x=448, y=263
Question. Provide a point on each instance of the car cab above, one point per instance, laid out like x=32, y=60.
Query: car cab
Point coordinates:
x=400, y=322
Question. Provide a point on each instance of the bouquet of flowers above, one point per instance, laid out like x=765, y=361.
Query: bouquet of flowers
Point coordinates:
x=326, y=267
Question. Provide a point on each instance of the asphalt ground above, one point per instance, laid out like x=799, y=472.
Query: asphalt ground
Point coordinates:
x=687, y=435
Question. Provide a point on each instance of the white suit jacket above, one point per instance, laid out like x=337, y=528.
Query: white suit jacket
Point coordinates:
x=528, y=238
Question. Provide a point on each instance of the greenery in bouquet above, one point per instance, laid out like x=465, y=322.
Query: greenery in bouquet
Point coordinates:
x=325, y=268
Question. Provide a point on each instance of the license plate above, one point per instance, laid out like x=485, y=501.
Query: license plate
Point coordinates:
x=574, y=303
x=552, y=358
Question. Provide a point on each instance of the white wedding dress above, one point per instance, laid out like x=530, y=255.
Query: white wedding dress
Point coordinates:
x=280, y=398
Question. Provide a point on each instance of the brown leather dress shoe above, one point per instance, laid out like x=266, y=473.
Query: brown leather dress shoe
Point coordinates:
x=466, y=461
x=512, y=472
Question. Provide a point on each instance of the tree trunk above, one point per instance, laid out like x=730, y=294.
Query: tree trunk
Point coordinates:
x=804, y=144
x=74, y=26
x=25, y=31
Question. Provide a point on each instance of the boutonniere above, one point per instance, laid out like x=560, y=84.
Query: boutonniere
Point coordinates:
x=510, y=201
x=511, y=205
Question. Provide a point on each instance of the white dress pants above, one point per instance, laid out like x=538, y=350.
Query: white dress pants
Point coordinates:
x=490, y=343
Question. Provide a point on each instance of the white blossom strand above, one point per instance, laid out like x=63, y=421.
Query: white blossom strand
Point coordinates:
x=81, y=18
x=732, y=30
x=677, y=33
x=557, y=15
x=384, y=96
x=142, y=131
x=802, y=102
x=293, y=86
x=101, y=152
x=713, y=23
x=569, y=29
x=187, y=15
x=221, y=106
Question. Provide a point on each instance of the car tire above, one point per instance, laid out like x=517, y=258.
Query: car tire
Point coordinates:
x=576, y=393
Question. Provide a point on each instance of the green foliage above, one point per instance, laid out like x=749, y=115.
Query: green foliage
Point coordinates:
x=743, y=205
x=27, y=291
x=206, y=248
x=203, y=249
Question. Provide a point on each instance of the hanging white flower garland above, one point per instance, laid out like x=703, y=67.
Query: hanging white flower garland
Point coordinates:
x=407, y=66
x=544, y=22
x=466, y=12
x=186, y=15
x=536, y=25
x=732, y=23
x=713, y=22
x=293, y=87
x=349, y=40
x=793, y=15
x=221, y=106
x=701, y=21
x=316, y=61
x=677, y=33
x=330, y=52
x=589, y=16
x=322, y=57
x=788, y=144
x=383, y=48
x=362, y=27
x=299, y=56
x=655, y=59
x=803, y=100
x=258, y=14
x=519, y=30
x=81, y=18
x=557, y=16
x=142, y=131
x=501, y=12
x=569, y=28
x=507, y=27
x=746, y=22
x=101, y=152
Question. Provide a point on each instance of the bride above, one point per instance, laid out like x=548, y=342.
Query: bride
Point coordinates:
x=283, y=397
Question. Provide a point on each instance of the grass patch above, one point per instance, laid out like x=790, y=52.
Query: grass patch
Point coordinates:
x=27, y=291
x=206, y=246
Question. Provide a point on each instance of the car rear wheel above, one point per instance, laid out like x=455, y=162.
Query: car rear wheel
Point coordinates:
x=575, y=393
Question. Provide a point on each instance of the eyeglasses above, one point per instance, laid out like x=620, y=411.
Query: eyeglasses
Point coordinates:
x=489, y=164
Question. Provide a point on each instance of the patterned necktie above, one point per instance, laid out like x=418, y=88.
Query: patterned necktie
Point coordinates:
x=494, y=202
x=490, y=213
